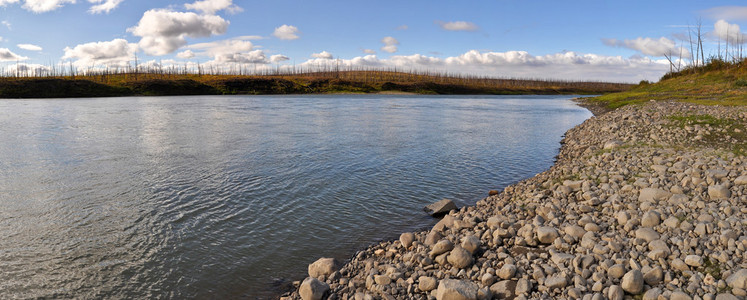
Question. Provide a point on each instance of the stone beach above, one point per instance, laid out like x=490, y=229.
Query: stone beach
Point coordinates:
x=644, y=202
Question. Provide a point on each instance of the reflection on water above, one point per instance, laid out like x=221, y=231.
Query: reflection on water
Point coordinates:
x=226, y=197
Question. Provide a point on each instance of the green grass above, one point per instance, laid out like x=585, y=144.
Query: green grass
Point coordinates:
x=719, y=131
x=722, y=84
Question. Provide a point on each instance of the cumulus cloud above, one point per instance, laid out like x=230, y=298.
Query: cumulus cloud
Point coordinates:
x=648, y=46
x=29, y=47
x=518, y=64
x=457, y=26
x=164, y=31
x=28, y=69
x=236, y=50
x=251, y=57
x=7, y=55
x=187, y=54
x=390, y=44
x=41, y=6
x=278, y=58
x=369, y=51
x=727, y=13
x=103, y=6
x=322, y=55
x=724, y=31
x=212, y=6
x=114, y=53
x=286, y=32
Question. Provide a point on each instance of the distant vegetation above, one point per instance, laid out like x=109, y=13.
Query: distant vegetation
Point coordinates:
x=716, y=82
x=169, y=81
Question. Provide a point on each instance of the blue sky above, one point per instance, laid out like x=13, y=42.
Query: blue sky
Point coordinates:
x=576, y=40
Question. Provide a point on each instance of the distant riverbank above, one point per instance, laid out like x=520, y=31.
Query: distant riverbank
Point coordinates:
x=364, y=82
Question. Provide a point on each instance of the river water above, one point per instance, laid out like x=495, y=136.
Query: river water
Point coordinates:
x=233, y=196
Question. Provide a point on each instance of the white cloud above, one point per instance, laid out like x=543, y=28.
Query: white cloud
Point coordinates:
x=103, y=6
x=724, y=31
x=114, y=53
x=390, y=44
x=236, y=50
x=457, y=26
x=369, y=51
x=210, y=7
x=186, y=54
x=6, y=23
x=236, y=45
x=402, y=27
x=648, y=46
x=518, y=64
x=40, y=6
x=28, y=69
x=6, y=2
x=164, y=31
x=29, y=47
x=278, y=58
x=7, y=55
x=322, y=55
x=286, y=32
x=727, y=13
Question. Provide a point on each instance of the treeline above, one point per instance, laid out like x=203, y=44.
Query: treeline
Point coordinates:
x=174, y=81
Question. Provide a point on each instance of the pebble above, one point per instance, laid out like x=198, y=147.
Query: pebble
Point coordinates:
x=641, y=219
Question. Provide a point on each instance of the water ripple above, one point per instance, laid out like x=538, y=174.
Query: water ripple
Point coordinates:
x=231, y=197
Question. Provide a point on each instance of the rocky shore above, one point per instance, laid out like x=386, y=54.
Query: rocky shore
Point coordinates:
x=644, y=202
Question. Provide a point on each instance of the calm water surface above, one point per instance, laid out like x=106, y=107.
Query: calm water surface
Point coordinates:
x=231, y=197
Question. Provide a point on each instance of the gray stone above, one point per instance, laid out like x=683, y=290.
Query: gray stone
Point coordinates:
x=324, y=266
x=452, y=289
x=312, y=289
x=652, y=294
x=504, y=289
x=741, y=180
x=726, y=296
x=654, y=276
x=678, y=295
x=382, y=279
x=432, y=238
x=441, y=247
x=650, y=219
x=471, y=243
x=523, y=286
x=719, y=192
x=738, y=280
x=406, y=239
x=616, y=271
x=426, y=283
x=441, y=207
x=460, y=258
x=575, y=231
x=616, y=293
x=556, y=282
x=609, y=145
x=653, y=194
x=694, y=260
x=547, y=235
x=632, y=282
x=507, y=271
x=646, y=234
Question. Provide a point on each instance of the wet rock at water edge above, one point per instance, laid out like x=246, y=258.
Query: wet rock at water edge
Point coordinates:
x=440, y=208
x=312, y=289
x=323, y=267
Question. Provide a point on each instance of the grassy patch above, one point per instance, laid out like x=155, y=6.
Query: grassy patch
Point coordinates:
x=729, y=134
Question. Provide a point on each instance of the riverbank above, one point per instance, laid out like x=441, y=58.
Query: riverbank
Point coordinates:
x=646, y=201
x=354, y=82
